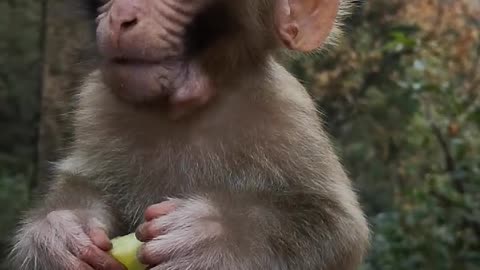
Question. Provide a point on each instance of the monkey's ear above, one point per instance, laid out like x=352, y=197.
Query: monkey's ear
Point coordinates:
x=304, y=25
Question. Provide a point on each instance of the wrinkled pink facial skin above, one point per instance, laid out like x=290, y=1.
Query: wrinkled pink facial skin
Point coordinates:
x=142, y=42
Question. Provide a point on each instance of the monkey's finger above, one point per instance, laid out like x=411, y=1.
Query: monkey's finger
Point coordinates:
x=100, y=239
x=83, y=266
x=72, y=262
x=99, y=259
x=152, y=255
x=164, y=266
x=158, y=210
x=148, y=231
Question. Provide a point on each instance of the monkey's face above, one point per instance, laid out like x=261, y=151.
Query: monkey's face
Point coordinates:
x=144, y=50
x=151, y=48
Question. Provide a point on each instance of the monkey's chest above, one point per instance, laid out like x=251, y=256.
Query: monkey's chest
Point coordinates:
x=182, y=173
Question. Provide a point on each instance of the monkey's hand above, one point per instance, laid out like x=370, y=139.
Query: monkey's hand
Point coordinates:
x=247, y=231
x=63, y=240
x=180, y=234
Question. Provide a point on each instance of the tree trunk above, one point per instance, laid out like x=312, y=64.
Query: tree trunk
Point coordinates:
x=65, y=35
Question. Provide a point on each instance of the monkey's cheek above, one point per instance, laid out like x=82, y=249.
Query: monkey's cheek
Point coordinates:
x=193, y=91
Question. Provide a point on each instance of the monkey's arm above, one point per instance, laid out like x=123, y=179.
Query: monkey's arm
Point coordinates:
x=74, y=193
x=257, y=231
x=69, y=230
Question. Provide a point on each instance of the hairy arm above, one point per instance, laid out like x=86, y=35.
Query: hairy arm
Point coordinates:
x=69, y=230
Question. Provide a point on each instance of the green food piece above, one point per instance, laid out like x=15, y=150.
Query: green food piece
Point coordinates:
x=125, y=251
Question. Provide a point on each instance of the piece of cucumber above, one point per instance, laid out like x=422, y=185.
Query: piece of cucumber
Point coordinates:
x=125, y=250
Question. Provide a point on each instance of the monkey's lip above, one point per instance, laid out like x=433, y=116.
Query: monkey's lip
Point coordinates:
x=133, y=62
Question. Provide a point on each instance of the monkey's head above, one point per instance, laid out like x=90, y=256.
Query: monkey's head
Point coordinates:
x=174, y=50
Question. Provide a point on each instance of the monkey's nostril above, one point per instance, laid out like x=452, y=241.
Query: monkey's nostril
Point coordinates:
x=129, y=24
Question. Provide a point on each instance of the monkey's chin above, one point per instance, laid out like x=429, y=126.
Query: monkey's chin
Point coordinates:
x=182, y=86
x=140, y=81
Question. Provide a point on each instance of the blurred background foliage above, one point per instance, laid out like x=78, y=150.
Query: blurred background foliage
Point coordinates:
x=400, y=95
x=20, y=43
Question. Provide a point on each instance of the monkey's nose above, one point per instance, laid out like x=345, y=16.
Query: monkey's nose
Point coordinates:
x=124, y=15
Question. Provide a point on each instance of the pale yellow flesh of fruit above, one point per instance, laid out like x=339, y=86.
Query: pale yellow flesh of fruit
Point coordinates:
x=125, y=250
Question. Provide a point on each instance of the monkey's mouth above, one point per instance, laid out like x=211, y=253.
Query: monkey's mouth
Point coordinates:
x=149, y=56
x=162, y=67
x=127, y=61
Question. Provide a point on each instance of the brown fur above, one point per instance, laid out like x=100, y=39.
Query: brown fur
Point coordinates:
x=255, y=163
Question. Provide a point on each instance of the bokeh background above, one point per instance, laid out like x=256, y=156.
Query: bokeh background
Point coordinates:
x=400, y=96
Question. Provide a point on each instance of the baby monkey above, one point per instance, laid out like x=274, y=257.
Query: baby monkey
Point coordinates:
x=190, y=134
